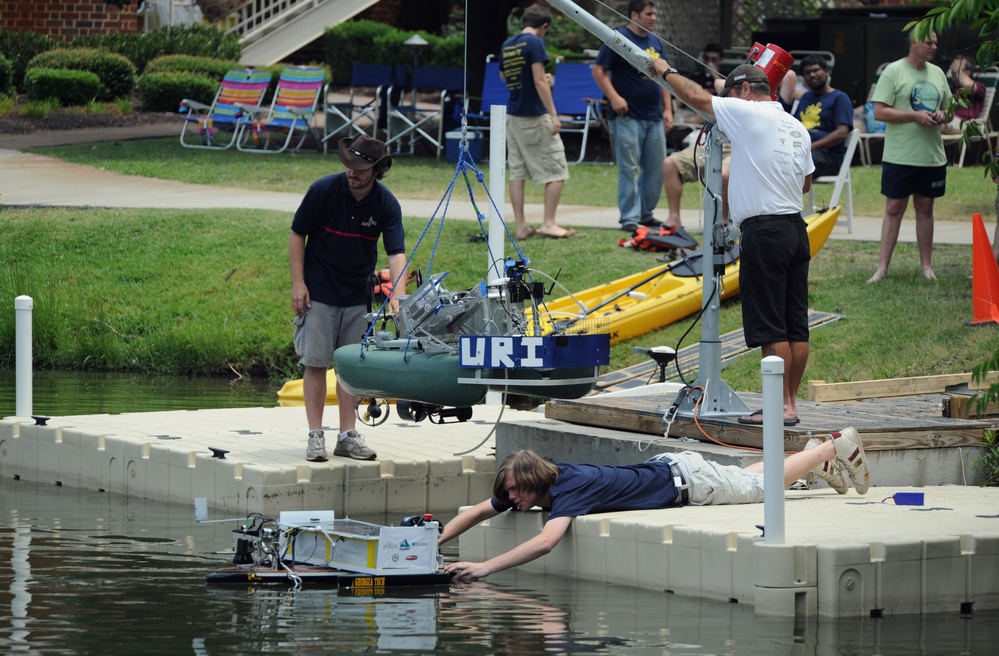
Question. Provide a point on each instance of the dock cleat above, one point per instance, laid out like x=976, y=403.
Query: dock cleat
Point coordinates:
x=850, y=453
x=831, y=471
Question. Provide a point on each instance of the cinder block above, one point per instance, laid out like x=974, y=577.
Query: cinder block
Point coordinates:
x=91, y=453
x=651, y=543
x=982, y=555
x=684, y=561
x=743, y=567
x=590, y=539
x=621, y=553
x=717, y=554
x=157, y=472
x=784, y=566
x=68, y=459
x=845, y=576
x=786, y=602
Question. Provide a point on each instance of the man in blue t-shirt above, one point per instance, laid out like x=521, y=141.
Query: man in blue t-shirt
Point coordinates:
x=525, y=480
x=534, y=147
x=333, y=249
x=827, y=114
x=642, y=114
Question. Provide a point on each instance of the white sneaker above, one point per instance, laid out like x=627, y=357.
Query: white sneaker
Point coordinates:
x=353, y=446
x=831, y=471
x=850, y=453
x=316, y=451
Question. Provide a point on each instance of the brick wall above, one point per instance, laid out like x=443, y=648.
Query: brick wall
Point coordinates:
x=66, y=20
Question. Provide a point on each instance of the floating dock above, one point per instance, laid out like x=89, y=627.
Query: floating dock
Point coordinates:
x=844, y=555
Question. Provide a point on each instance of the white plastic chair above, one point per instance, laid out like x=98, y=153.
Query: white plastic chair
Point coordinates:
x=840, y=181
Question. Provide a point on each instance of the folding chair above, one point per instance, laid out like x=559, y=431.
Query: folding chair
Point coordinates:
x=222, y=116
x=360, y=111
x=494, y=92
x=989, y=78
x=414, y=119
x=867, y=137
x=840, y=181
x=578, y=101
x=295, y=101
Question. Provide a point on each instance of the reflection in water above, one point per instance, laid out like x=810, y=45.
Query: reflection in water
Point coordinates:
x=89, y=573
x=63, y=393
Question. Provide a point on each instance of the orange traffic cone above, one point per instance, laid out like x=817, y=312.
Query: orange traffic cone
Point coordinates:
x=984, y=277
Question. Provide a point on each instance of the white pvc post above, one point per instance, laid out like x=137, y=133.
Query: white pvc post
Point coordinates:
x=23, y=306
x=772, y=369
x=497, y=189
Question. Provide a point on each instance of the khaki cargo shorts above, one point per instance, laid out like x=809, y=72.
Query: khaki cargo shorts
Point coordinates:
x=533, y=152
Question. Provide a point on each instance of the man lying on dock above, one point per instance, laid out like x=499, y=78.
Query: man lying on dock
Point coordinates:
x=525, y=479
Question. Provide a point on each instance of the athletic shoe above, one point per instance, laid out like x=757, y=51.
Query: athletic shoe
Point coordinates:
x=850, y=453
x=353, y=446
x=631, y=226
x=316, y=451
x=831, y=471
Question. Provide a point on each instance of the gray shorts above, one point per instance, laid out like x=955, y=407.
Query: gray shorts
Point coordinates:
x=714, y=484
x=533, y=152
x=324, y=328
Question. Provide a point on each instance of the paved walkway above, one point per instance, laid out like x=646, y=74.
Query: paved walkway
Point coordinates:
x=34, y=180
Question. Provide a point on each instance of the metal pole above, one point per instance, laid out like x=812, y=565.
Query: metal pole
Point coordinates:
x=23, y=306
x=718, y=398
x=772, y=369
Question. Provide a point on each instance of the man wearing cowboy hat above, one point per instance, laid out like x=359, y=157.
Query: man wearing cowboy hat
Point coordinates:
x=333, y=249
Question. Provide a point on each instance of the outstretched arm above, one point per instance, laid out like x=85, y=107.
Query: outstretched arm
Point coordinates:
x=538, y=546
x=465, y=520
x=688, y=91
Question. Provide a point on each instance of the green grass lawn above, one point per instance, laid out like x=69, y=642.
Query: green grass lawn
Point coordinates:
x=203, y=291
x=968, y=190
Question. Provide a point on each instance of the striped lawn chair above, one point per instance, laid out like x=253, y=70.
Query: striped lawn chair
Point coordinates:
x=218, y=123
x=271, y=129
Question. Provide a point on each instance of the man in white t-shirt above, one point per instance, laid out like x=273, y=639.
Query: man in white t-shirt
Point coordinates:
x=771, y=168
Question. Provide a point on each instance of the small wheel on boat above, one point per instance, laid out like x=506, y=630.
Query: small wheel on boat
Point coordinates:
x=372, y=411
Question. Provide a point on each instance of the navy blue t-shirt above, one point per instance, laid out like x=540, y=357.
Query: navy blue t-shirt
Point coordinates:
x=587, y=489
x=519, y=54
x=341, y=247
x=820, y=113
x=644, y=96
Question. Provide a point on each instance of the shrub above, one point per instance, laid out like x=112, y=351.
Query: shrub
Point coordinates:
x=6, y=76
x=117, y=73
x=67, y=86
x=19, y=47
x=207, y=66
x=141, y=48
x=353, y=41
x=162, y=92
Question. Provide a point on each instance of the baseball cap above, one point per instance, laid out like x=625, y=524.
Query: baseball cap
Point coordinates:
x=744, y=73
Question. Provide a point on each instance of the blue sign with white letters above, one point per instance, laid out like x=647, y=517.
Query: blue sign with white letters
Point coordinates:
x=522, y=352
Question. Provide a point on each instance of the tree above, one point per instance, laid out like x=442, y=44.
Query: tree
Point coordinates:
x=982, y=15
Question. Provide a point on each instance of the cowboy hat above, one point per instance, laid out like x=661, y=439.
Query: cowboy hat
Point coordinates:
x=364, y=153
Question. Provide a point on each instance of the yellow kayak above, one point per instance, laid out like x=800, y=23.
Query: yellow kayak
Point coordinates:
x=290, y=393
x=642, y=302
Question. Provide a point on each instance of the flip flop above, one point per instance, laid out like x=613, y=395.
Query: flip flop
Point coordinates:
x=571, y=232
x=756, y=419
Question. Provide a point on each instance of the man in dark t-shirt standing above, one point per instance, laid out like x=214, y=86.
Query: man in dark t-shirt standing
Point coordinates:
x=333, y=249
x=641, y=115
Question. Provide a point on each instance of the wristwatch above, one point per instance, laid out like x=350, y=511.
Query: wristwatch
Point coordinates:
x=669, y=71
